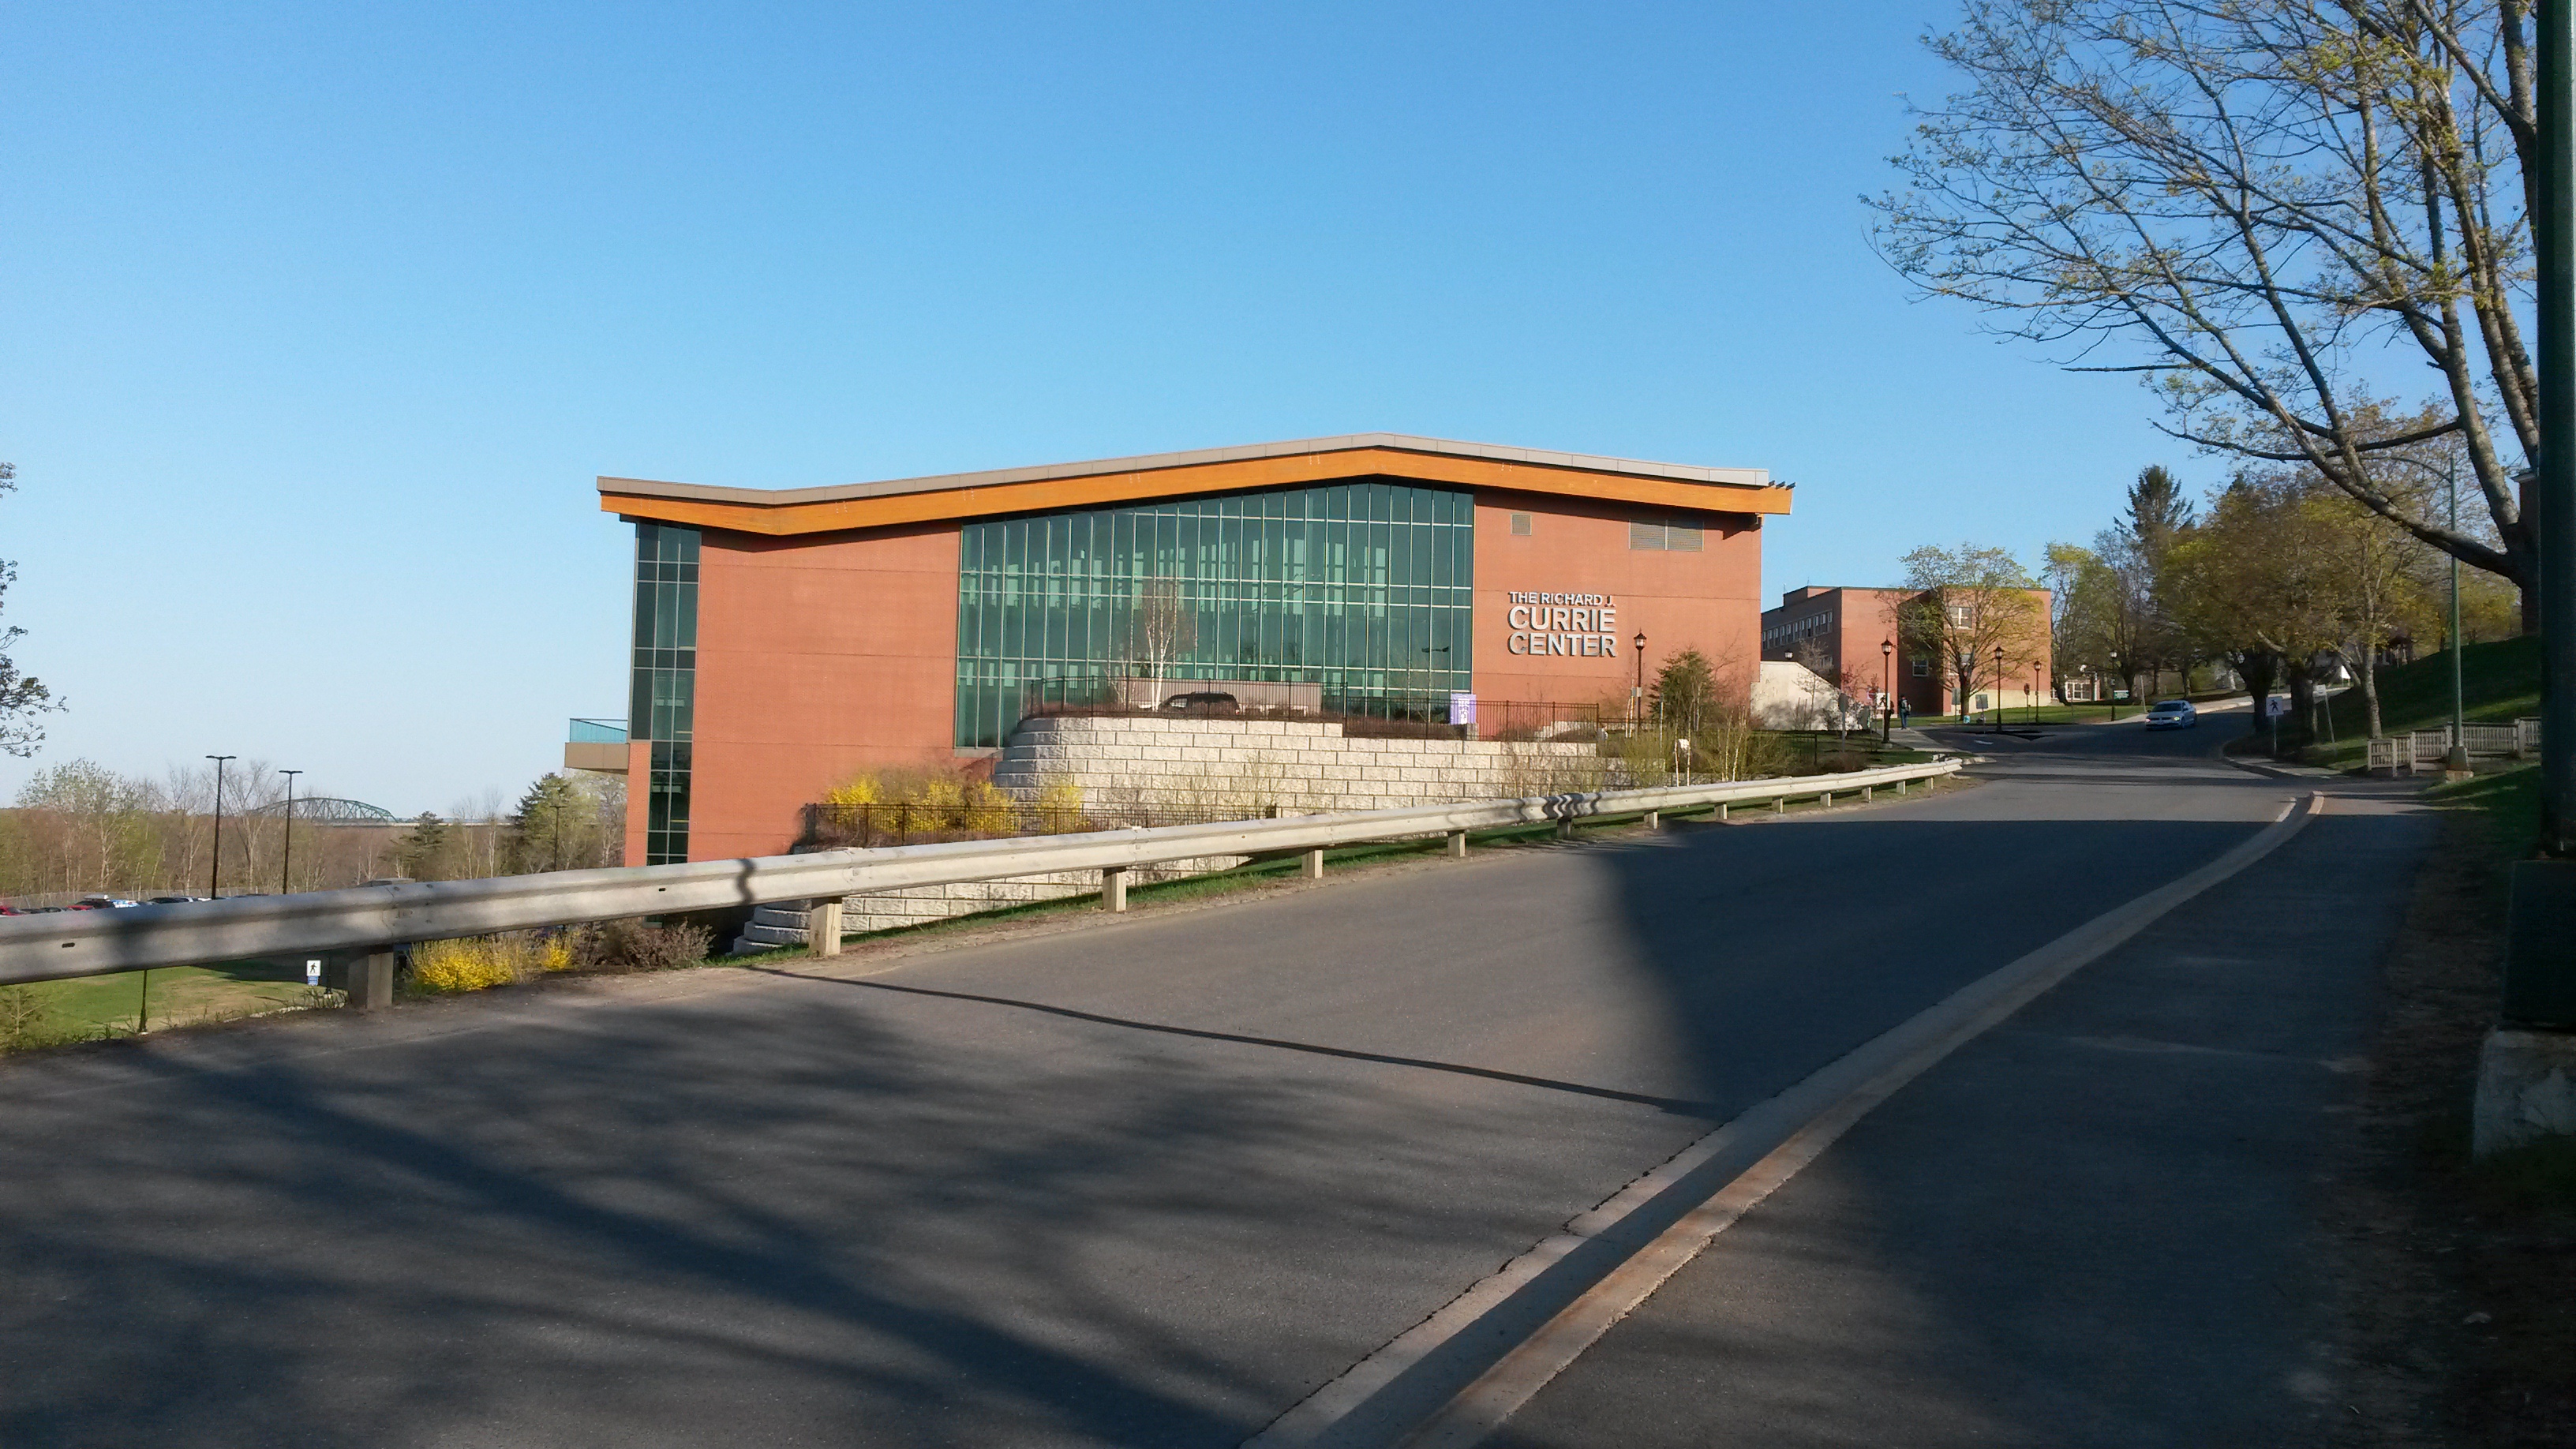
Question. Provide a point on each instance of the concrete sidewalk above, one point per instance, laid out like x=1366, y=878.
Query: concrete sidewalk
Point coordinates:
x=2099, y=1224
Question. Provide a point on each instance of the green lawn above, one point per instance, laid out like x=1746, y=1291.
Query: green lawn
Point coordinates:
x=95, y=1006
x=2499, y=683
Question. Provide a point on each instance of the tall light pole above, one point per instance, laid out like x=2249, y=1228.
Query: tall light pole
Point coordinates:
x=215, y=872
x=286, y=853
x=1887, y=711
x=2540, y=960
x=1999, y=689
x=1637, y=701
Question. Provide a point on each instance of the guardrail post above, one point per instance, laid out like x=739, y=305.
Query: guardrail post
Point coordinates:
x=1865, y=796
x=371, y=981
x=1654, y=820
x=1315, y=864
x=1900, y=786
x=1457, y=845
x=1779, y=804
x=1825, y=800
x=823, y=927
x=1113, y=887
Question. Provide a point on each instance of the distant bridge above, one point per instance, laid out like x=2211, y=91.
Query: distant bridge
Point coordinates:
x=324, y=810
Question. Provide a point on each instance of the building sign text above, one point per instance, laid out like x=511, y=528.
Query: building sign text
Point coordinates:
x=1580, y=625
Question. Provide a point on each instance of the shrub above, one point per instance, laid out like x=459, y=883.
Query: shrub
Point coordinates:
x=22, y=1019
x=984, y=810
x=1059, y=805
x=617, y=947
x=855, y=791
x=471, y=963
x=941, y=798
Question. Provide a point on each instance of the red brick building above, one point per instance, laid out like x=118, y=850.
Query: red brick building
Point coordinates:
x=1856, y=638
x=786, y=639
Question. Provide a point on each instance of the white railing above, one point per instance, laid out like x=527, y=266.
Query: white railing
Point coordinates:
x=2518, y=740
x=378, y=918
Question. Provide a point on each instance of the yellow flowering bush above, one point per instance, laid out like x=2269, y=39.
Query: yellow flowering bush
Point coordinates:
x=479, y=963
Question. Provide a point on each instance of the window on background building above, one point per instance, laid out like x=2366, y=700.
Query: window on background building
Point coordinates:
x=664, y=697
x=1922, y=667
x=1521, y=524
x=1962, y=617
x=1365, y=589
x=1677, y=537
x=1980, y=704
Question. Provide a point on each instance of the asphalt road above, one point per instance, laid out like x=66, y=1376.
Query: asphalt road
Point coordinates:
x=1148, y=1182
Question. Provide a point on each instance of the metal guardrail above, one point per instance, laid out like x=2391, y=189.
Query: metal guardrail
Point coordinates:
x=378, y=918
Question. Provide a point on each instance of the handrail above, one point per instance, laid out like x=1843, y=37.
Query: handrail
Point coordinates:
x=90, y=943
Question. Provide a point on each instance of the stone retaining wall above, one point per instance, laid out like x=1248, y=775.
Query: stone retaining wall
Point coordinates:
x=1257, y=764
x=1253, y=766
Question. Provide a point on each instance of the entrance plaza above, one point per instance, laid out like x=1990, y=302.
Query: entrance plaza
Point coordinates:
x=787, y=639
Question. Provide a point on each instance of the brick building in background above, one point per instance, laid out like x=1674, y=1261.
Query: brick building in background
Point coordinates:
x=786, y=639
x=1855, y=638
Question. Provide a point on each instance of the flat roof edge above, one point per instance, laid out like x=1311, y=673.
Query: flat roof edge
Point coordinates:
x=1352, y=442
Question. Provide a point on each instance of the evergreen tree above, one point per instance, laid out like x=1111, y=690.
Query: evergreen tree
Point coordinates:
x=1686, y=693
x=2158, y=513
x=426, y=850
x=552, y=825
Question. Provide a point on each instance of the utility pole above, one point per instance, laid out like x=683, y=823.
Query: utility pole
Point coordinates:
x=286, y=852
x=2524, y=1066
x=215, y=871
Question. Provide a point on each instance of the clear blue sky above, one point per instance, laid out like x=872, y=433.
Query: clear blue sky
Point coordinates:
x=323, y=318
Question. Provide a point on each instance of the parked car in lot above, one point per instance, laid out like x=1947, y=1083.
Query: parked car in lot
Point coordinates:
x=2172, y=714
x=172, y=900
x=1205, y=701
x=102, y=903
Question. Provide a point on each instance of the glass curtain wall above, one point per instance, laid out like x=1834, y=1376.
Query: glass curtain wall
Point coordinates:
x=665, y=681
x=1363, y=588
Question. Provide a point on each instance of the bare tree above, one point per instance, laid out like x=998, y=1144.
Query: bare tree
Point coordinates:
x=22, y=698
x=2264, y=209
x=1162, y=628
x=1966, y=603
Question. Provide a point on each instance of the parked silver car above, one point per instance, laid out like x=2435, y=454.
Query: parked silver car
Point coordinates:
x=2172, y=714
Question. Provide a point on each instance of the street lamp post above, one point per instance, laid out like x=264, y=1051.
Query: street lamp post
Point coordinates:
x=1999, y=689
x=2034, y=691
x=2534, y=1051
x=2455, y=762
x=1887, y=706
x=1637, y=700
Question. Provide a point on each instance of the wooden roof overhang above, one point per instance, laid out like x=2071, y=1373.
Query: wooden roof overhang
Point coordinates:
x=961, y=496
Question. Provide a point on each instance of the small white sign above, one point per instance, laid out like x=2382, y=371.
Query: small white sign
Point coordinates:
x=1462, y=707
x=312, y=973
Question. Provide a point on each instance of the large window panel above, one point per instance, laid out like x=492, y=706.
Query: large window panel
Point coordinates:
x=1333, y=586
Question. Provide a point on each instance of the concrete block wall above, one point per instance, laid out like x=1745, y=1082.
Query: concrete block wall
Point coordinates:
x=1256, y=764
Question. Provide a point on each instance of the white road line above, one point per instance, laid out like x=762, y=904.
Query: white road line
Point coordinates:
x=1453, y=1378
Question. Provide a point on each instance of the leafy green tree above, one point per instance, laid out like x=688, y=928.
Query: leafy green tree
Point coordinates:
x=2262, y=583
